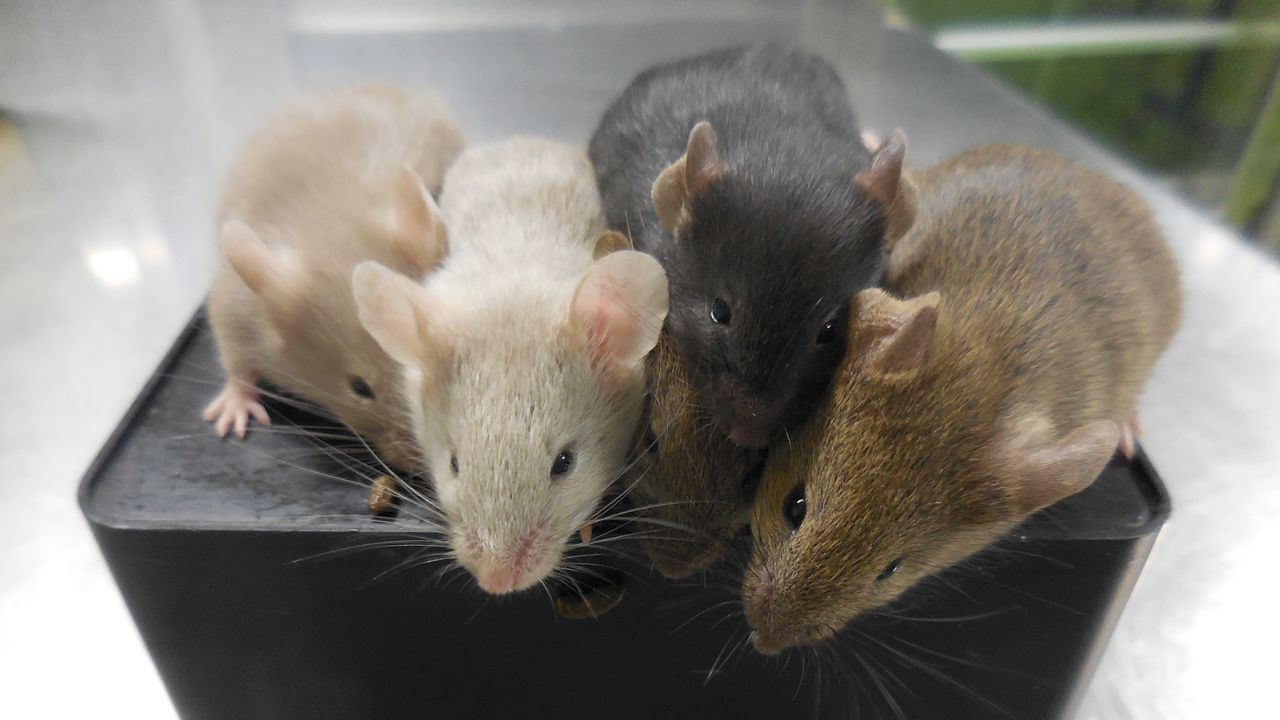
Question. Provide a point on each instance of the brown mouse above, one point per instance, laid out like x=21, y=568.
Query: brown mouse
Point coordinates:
x=691, y=487
x=1035, y=296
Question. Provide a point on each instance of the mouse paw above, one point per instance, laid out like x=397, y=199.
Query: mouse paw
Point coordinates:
x=1129, y=433
x=232, y=408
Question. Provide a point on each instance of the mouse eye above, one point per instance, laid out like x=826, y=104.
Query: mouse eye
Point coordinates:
x=889, y=570
x=453, y=464
x=720, y=313
x=563, y=463
x=361, y=388
x=794, y=507
x=827, y=333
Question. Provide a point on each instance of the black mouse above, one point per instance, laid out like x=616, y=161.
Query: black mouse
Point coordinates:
x=743, y=171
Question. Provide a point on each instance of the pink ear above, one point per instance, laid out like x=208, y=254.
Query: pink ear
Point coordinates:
x=618, y=309
x=691, y=174
x=418, y=229
x=888, y=335
x=270, y=276
x=1044, y=475
x=392, y=309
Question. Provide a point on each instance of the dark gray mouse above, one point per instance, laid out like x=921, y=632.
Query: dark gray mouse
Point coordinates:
x=743, y=172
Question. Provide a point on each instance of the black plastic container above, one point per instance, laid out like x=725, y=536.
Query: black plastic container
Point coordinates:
x=240, y=563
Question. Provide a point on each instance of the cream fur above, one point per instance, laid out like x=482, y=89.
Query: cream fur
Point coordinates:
x=321, y=185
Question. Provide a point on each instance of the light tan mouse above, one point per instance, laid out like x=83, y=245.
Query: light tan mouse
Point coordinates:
x=523, y=356
x=1031, y=298
x=330, y=180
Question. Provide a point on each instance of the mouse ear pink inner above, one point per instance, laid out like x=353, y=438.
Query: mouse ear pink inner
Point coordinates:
x=271, y=276
x=618, y=309
x=882, y=181
x=691, y=174
x=1044, y=475
x=417, y=230
x=394, y=311
x=888, y=336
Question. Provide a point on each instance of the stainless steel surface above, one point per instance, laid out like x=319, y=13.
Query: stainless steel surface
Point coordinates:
x=117, y=122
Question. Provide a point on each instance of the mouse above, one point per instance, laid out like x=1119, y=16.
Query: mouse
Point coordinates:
x=744, y=172
x=690, y=488
x=523, y=356
x=988, y=379
x=331, y=179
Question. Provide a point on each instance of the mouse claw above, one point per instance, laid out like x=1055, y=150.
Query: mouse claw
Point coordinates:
x=233, y=407
x=584, y=532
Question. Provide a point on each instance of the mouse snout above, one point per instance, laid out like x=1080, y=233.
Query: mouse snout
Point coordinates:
x=744, y=417
x=506, y=566
x=747, y=423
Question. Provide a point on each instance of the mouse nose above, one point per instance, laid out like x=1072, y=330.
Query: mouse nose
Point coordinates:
x=497, y=580
x=508, y=569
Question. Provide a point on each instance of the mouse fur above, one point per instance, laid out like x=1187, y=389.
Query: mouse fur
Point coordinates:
x=744, y=173
x=691, y=487
x=330, y=179
x=1030, y=300
x=521, y=348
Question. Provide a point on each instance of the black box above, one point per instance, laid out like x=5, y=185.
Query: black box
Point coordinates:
x=241, y=564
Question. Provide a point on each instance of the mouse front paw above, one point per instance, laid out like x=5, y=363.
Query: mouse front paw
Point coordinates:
x=233, y=406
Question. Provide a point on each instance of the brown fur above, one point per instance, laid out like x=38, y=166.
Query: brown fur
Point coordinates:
x=1055, y=295
x=689, y=480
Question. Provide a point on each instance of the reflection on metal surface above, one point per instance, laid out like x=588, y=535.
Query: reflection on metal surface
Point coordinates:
x=113, y=266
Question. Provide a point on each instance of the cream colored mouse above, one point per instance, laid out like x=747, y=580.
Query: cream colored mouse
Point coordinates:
x=330, y=180
x=524, y=356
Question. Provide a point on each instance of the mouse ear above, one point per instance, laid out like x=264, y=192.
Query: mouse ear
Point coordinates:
x=418, y=230
x=883, y=182
x=1045, y=474
x=395, y=311
x=691, y=174
x=271, y=276
x=618, y=309
x=890, y=336
x=610, y=241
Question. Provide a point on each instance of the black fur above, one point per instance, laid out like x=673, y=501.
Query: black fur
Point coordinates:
x=786, y=236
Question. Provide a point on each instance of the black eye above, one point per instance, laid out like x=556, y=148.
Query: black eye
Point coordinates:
x=453, y=464
x=793, y=508
x=889, y=569
x=827, y=333
x=361, y=388
x=562, y=464
x=720, y=313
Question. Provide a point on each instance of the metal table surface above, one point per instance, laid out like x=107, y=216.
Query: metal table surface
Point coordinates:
x=118, y=120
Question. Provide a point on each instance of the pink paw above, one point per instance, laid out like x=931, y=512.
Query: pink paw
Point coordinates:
x=232, y=408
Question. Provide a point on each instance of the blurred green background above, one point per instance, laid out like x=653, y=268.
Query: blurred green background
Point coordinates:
x=1190, y=89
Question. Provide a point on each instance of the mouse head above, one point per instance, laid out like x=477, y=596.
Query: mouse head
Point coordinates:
x=691, y=486
x=762, y=267
x=321, y=349
x=903, y=473
x=525, y=406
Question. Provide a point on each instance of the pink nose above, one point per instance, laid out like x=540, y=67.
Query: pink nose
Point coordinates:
x=497, y=579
